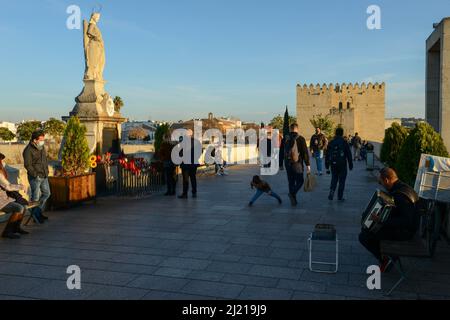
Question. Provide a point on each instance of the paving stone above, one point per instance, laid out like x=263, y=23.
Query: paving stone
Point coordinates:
x=216, y=289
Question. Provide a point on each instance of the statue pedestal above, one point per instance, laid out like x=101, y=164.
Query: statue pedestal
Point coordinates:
x=95, y=109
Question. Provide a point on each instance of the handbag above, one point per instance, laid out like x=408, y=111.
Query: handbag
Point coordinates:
x=310, y=183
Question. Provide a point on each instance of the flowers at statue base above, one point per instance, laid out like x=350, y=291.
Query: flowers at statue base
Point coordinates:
x=136, y=165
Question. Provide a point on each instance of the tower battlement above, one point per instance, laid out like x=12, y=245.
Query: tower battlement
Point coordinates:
x=338, y=88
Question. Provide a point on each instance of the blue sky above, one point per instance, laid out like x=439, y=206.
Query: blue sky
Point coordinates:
x=172, y=60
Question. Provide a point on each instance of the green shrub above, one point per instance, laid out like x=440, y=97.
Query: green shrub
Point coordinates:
x=423, y=139
x=394, y=138
x=75, y=153
x=159, y=135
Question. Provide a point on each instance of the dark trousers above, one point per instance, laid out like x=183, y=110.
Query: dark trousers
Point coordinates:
x=295, y=180
x=372, y=241
x=338, y=175
x=169, y=173
x=189, y=173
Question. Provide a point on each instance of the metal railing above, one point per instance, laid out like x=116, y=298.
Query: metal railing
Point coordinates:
x=122, y=182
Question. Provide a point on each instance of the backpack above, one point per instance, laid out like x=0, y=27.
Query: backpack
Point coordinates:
x=294, y=154
x=337, y=157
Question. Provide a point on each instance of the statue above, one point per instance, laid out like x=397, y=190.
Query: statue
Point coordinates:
x=94, y=49
x=94, y=106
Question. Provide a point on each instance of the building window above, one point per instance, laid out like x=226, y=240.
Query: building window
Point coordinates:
x=348, y=105
x=340, y=106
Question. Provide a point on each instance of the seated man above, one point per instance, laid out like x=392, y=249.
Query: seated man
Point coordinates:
x=403, y=221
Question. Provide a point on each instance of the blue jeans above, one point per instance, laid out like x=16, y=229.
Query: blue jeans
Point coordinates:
x=40, y=191
x=295, y=179
x=318, y=155
x=259, y=193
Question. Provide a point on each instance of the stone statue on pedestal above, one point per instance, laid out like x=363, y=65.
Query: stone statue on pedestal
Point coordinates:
x=94, y=106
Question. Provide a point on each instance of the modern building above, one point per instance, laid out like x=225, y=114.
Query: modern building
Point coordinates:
x=438, y=79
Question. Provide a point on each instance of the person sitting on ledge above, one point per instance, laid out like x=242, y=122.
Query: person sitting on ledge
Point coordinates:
x=403, y=221
x=8, y=205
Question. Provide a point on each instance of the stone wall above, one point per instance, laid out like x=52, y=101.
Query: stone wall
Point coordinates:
x=358, y=108
x=13, y=152
x=137, y=148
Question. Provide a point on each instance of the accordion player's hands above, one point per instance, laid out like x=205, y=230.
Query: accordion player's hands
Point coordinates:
x=375, y=218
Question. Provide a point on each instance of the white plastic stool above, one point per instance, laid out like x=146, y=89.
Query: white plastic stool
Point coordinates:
x=323, y=233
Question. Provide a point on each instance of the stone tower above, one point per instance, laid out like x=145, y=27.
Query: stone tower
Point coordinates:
x=358, y=108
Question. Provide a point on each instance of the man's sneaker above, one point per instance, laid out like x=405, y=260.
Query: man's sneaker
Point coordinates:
x=183, y=196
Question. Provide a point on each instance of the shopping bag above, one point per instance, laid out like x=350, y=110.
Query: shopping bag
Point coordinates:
x=310, y=183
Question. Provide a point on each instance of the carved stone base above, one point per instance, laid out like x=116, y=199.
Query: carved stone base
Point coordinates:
x=91, y=109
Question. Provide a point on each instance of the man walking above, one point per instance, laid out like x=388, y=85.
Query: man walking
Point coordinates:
x=338, y=156
x=357, y=144
x=189, y=167
x=36, y=164
x=296, y=157
x=318, y=145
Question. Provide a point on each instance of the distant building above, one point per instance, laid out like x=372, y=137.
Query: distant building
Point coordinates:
x=411, y=122
x=388, y=122
x=149, y=126
x=11, y=127
x=223, y=124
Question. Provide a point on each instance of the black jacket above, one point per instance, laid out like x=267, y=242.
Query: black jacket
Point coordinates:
x=195, y=149
x=302, y=148
x=405, y=216
x=348, y=153
x=35, y=161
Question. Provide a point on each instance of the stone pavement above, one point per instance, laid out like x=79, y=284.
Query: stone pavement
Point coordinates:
x=213, y=247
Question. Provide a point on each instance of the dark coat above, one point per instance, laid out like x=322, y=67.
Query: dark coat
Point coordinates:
x=302, y=149
x=344, y=145
x=405, y=216
x=35, y=161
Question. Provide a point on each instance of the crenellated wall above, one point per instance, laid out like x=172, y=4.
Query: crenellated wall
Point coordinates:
x=358, y=107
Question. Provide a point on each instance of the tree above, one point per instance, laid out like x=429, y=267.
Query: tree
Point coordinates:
x=6, y=134
x=394, y=138
x=278, y=121
x=422, y=140
x=286, y=123
x=55, y=127
x=137, y=133
x=75, y=153
x=26, y=129
x=118, y=103
x=159, y=135
x=324, y=123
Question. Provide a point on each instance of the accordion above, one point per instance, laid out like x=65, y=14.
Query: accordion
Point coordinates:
x=381, y=205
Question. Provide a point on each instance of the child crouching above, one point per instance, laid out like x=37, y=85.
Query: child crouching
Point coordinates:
x=262, y=187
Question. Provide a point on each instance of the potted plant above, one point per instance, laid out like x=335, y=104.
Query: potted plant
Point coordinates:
x=75, y=184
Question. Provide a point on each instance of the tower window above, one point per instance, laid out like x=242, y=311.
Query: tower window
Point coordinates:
x=340, y=106
x=348, y=105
